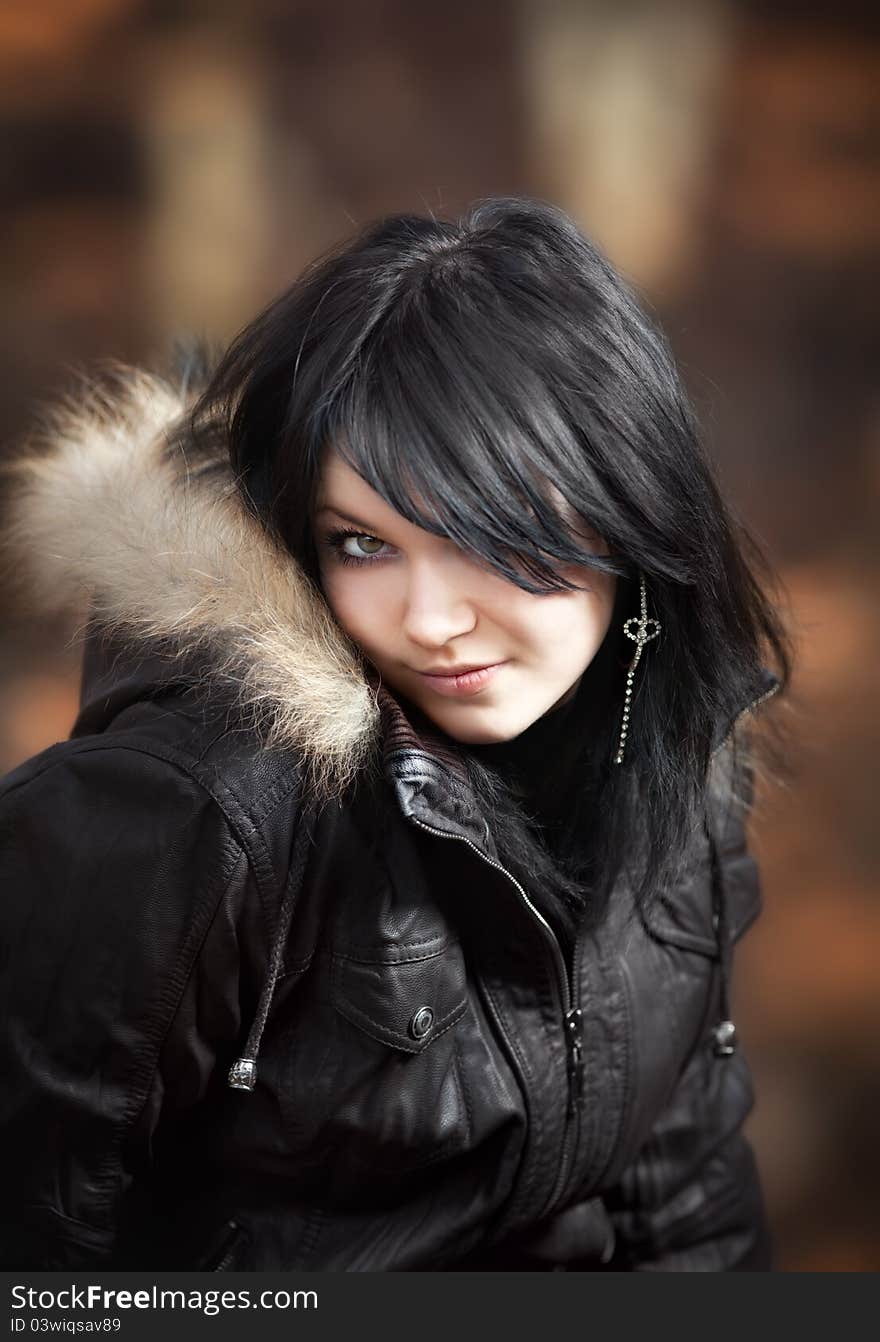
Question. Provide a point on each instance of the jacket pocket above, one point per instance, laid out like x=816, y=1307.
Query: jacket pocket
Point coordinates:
x=406, y=1001
x=685, y=915
x=372, y=1086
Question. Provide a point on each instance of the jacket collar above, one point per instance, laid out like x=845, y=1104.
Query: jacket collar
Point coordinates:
x=427, y=774
x=764, y=685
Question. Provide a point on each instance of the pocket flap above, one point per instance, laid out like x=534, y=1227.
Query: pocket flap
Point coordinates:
x=407, y=1002
x=684, y=916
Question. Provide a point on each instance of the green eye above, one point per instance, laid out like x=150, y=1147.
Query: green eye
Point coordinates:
x=369, y=539
x=337, y=540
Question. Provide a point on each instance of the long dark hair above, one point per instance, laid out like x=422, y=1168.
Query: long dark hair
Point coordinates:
x=470, y=364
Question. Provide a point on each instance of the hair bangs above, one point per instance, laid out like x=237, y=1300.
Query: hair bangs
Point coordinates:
x=466, y=442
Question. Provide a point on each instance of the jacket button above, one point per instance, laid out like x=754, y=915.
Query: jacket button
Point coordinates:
x=421, y=1022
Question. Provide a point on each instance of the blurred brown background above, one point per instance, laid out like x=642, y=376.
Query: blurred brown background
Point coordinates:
x=168, y=167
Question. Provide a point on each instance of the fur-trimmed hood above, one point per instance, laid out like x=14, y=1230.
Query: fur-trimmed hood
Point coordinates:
x=164, y=569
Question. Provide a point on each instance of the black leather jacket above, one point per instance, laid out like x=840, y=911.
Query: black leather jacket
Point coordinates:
x=429, y=1081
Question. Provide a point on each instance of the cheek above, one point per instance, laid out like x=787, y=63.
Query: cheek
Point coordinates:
x=570, y=627
x=338, y=595
x=357, y=606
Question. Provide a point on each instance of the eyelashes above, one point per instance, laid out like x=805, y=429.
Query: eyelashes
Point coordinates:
x=335, y=540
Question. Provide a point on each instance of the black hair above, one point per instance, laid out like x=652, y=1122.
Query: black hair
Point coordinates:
x=476, y=372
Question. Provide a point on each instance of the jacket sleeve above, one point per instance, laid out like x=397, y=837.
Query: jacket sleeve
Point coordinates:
x=117, y=869
x=692, y=1199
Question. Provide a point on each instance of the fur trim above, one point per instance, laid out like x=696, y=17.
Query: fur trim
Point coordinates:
x=100, y=522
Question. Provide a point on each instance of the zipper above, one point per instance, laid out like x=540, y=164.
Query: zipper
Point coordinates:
x=219, y=1257
x=572, y=1015
x=574, y=1029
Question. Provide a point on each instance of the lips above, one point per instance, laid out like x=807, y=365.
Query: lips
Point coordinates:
x=462, y=682
x=456, y=670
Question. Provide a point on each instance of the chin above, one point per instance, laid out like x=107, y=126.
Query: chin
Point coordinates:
x=480, y=734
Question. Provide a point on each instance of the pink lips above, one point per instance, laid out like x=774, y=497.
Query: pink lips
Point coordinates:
x=469, y=682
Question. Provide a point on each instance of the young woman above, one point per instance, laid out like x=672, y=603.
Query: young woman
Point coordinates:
x=378, y=912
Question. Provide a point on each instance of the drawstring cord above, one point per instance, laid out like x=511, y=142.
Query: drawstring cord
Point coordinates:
x=724, y=1032
x=243, y=1072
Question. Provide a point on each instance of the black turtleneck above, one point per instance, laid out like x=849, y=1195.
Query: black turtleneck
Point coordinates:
x=533, y=763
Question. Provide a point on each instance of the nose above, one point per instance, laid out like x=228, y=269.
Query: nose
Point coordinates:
x=437, y=605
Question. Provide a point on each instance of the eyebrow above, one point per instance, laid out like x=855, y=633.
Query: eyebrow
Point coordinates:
x=346, y=517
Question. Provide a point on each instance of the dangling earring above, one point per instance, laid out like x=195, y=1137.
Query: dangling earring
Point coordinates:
x=640, y=635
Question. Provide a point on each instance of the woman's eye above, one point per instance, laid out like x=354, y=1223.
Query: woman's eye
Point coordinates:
x=363, y=543
x=353, y=547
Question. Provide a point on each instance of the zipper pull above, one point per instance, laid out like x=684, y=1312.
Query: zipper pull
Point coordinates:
x=574, y=1033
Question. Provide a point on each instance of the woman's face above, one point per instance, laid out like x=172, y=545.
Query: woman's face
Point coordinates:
x=417, y=603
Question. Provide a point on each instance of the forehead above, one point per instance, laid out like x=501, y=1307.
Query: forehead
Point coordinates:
x=335, y=476
x=339, y=485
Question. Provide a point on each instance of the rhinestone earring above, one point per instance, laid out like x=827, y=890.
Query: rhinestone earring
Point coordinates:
x=636, y=628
